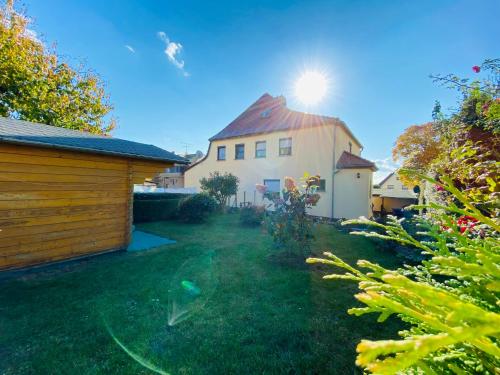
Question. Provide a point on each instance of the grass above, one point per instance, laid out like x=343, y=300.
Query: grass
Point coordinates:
x=263, y=315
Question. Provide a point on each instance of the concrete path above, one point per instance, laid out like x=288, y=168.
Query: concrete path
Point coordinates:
x=143, y=241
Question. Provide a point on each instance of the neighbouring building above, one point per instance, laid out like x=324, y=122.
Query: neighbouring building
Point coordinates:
x=269, y=141
x=173, y=177
x=67, y=194
x=391, y=194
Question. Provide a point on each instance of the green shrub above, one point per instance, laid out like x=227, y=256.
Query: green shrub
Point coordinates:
x=252, y=216
x=451, y=301
x=196, y=208
x=158, y=196
x=156, y=207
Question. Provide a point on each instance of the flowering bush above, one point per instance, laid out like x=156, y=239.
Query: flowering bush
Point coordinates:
x=289, y=223
x=451, y=301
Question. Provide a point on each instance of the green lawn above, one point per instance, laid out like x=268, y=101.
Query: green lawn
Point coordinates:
x=259, y=314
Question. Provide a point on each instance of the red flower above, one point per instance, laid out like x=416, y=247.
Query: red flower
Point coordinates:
x=439, y=188
x=476, y=69
x=466, y=223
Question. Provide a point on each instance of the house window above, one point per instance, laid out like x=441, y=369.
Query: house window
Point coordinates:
x=273, y=187
x=260, y=149
x=358, y=175
x=285, y=146
x=221, y=153
x=321, y=186
x=404, y=187
x=350, y=147
x=239, y=152
x=390, y=187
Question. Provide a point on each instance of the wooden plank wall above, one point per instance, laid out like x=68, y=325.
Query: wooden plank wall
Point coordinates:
x=58, y=204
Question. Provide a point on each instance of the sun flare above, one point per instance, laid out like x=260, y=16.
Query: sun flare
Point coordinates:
x=311, y=87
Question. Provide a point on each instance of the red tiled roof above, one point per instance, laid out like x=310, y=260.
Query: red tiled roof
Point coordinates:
x=349, y=161
x=270, y=114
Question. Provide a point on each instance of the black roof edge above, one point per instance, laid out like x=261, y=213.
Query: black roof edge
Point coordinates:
x=181, y=160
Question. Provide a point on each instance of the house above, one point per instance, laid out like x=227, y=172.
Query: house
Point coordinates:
x=269, y=141
x=173, y=177
x=66, y=194
x=391, y=194
x=193, y=158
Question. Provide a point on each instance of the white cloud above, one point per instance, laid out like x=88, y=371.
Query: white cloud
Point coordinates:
x=173, y=50
x=385, y=166
x=130, y=48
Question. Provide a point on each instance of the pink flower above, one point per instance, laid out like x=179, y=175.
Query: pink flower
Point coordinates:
x=289, y=183
x=439, y=188
x=261, y=188
x=476, y=69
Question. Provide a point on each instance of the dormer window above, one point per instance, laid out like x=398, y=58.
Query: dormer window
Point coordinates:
x=266, y=113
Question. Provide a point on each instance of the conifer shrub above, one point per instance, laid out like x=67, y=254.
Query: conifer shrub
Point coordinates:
x=450, y=301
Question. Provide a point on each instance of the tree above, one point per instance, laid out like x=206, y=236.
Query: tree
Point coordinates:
x=480, y=105
x=37, y=85
x=220, y=186
x=417, y=147
x=470, y=136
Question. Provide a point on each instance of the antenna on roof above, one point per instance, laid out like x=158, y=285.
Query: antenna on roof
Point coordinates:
x=186, y=145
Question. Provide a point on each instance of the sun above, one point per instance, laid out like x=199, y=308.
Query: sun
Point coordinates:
x=311, y=87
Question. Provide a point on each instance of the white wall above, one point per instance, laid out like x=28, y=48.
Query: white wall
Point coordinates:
x=352, y=193
x=398, y=190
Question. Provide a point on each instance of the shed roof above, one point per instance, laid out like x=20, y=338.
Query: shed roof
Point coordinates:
x=351, y=161
x=34, y=134
x=270, y=114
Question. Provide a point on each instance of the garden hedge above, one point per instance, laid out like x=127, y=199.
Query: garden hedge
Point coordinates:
x=156, y=206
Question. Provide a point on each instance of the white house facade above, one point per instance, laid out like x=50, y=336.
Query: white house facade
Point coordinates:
x=268, y=142
x=391, y=194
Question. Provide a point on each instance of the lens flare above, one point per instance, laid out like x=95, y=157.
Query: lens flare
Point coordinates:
x=311, y=87
x=191, y=288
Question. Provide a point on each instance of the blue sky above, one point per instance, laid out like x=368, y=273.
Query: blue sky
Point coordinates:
x=377, y=54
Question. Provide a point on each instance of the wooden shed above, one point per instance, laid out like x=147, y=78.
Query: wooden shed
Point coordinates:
x=66, y=194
